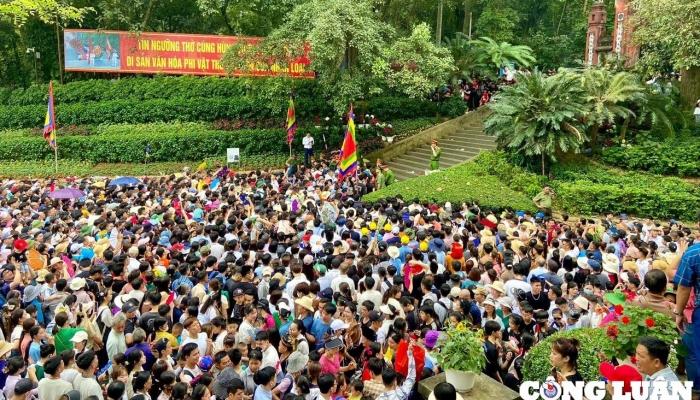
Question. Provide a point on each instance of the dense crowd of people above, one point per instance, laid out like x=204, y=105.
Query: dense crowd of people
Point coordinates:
x=287, y=286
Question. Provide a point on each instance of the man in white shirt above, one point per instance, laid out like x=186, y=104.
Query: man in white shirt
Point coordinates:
x=343, y=277
x=297, y=278
x=308, y=142
x=372, y=295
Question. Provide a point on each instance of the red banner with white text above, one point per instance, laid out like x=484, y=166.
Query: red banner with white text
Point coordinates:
x=164, y=53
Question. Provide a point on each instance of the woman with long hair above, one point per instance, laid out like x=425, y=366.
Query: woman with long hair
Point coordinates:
x=37, y=333
x=564, y=360
x=25, y=338
x=211, y=307
x=141, y=384
x=490, y=313
x=134, y=364
x=297, y=336
x=14, y=368
x=167, y=382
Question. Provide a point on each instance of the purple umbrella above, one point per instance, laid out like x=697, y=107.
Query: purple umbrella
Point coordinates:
x=67, y=193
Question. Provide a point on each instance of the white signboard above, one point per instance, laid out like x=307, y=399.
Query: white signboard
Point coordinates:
x=233, y=155
x=591, y=45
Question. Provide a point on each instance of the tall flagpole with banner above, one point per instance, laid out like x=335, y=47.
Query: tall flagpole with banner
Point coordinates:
x=348, y=153
x=50, y=127
x=291, y=122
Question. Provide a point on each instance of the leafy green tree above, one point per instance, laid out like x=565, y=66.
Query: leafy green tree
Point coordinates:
x=46, y=10
x=495, y=54
x=538, y=116
x=345, y=38
x=670, y=28
x=607, y=95
x=497, y=23
x=414, y=65
x=657, y=109
x=465, y=58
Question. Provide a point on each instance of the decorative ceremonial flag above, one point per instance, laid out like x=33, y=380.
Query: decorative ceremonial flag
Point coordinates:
x=348, y=153
x=202, y=166
x=108, y=47
x=50, y=121
x=291, y=119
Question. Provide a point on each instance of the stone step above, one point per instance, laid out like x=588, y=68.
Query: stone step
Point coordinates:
x=452, y=153
x=410, y=164
x=457, y=145
x=444, y=158
x=476, y=135
x=480, y=142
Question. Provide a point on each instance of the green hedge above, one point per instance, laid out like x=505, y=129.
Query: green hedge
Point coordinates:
x=388, y=108
x=462, y=183
x=141, y=89
x=593, y=342
x=583, y=187
x=671, y=157
x=185, y=110
x=169, y=142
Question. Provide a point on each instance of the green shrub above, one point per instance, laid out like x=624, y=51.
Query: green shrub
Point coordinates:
x=583, y=187
x=454, y=107
x=141, y=88
x=671, y=157
x=593, y=341
x=388, y=108
x=169, y=142
x=462, y=183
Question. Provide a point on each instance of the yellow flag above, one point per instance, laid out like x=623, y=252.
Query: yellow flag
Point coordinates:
x=202, y=166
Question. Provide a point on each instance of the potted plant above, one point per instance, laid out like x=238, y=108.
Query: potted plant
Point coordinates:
x=461, y=356
x=633, y=323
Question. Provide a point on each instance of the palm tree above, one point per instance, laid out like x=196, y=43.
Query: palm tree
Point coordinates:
x=539, y=115
x=606, y=94
x=658, y=109
x=466, y=59
x=488, y=51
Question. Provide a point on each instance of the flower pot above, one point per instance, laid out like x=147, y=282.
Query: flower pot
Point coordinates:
x=463, y=381
x=390, y=139
x=383, y=138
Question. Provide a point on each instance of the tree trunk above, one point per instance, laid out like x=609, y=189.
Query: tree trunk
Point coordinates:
x=468, y=7
x=690, y=87
x=224, y=17
x=151, y=3
x=563, y=11
x=438, y=28
x=543, y=163
x=594, y=135
x=625, y=125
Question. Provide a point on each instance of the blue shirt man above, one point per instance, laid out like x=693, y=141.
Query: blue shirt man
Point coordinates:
x=688, y=277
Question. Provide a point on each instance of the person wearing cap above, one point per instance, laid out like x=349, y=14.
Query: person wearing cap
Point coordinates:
x=24, y=389
x=330, y=360
x=621, y=373
x=296, y=363
x=435, y=153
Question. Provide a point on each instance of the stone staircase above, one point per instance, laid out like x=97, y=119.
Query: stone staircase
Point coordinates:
x=462, y=144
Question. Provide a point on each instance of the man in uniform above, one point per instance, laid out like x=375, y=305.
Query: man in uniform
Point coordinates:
x=388, y=175
x=434, y=156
